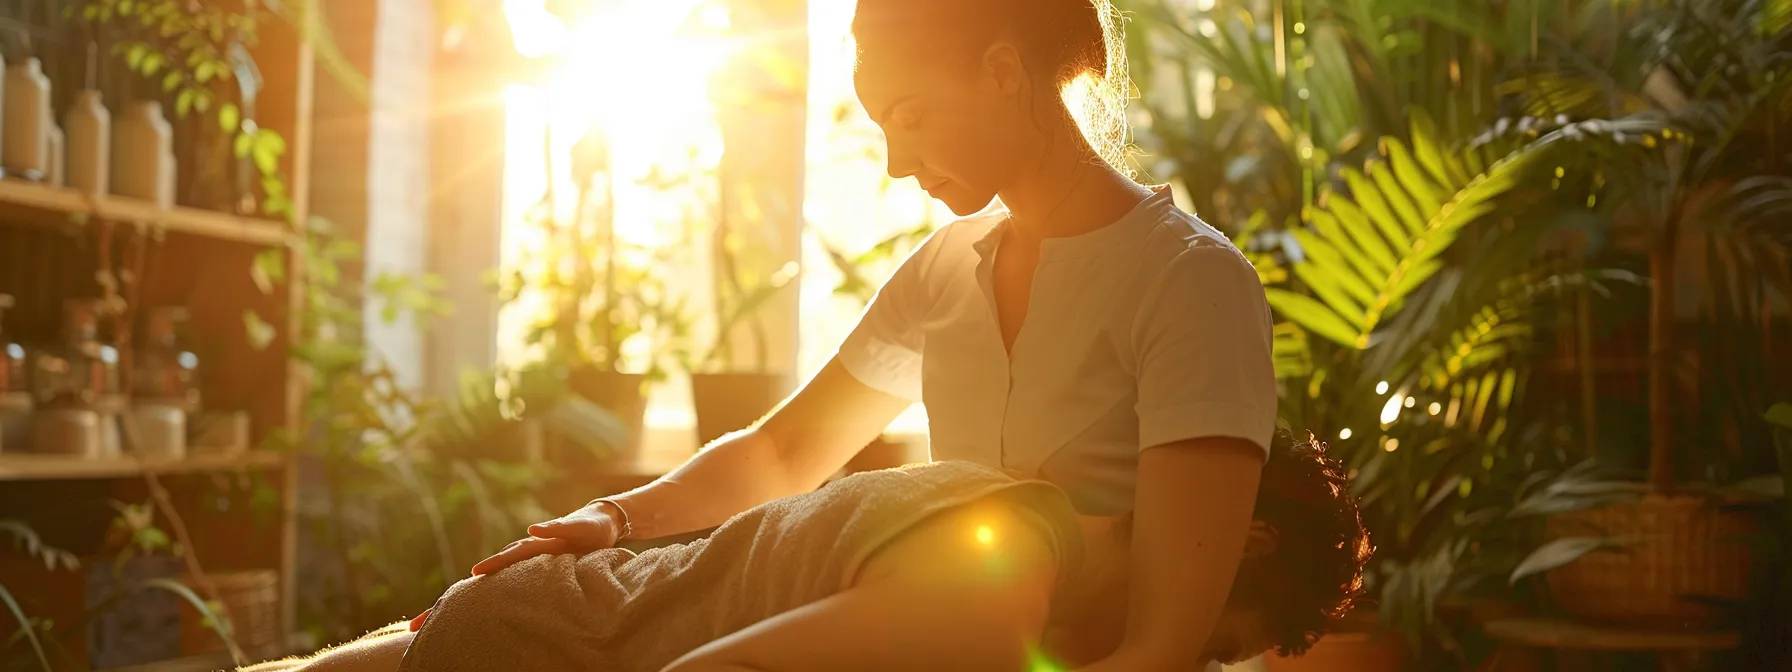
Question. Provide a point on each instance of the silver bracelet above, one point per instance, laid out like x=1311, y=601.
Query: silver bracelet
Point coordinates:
x=628, y=528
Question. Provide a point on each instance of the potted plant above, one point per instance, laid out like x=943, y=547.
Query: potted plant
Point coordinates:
x=1406, y=349
x=733, y=384
x=1667, y=550
x=603, y=315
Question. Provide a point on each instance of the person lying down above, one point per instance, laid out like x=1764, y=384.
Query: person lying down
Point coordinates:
x=945, y=566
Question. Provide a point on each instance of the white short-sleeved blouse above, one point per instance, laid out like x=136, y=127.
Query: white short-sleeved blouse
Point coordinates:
x=1150, y=330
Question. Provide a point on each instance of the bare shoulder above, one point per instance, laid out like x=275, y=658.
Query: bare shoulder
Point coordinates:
x=989, y=546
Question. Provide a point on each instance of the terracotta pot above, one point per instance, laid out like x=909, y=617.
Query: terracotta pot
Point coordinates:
x=726, y=402
x=1679, y=547
x=624, y=395
x=888, y=453
x=1346, y=652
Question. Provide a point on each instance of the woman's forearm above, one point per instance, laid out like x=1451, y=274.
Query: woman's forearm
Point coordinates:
x=736, y=473
x=792, y=451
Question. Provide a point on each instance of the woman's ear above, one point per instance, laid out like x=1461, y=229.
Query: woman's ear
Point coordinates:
x=1261, y=540
x=1004, y=69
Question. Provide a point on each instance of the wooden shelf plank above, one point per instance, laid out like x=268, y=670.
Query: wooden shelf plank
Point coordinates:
x=28, y=467
x=56, y=204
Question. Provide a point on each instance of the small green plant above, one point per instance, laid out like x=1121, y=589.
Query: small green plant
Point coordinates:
x=190, y=52
x=137, y=523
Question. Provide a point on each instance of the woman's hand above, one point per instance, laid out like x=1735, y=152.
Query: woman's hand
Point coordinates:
x=594, y=527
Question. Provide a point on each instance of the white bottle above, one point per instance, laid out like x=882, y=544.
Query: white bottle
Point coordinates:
x=25, y=150
x=142, y=152
x=89, y=129
x=54, y=147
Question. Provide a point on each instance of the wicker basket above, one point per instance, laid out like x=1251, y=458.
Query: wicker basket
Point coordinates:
x=1679, y=547
x=251, y=602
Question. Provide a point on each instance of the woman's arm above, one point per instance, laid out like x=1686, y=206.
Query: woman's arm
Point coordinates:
x=1193, y=510
x=805, y=440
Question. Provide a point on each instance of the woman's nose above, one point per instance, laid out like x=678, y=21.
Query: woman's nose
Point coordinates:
x=901, y=163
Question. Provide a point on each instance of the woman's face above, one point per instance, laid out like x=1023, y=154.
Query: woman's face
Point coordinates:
x=955, y=125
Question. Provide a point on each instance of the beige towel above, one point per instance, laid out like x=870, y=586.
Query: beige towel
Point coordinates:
x=616, y=611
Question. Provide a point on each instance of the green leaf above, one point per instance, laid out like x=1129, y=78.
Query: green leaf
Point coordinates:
x=1780, y=415
x=25, y=628
x=183, y=103
x=153, y=63
x=1357, y=226
x=1334, y=252
x=1419, y=185
x=1365, y=196
x=268, y=269
x=1425, y=146
x=1321, y=281
x=172, y=80
x=260, y=333
x=134, y=56
x=1396, y=197
x=269, y=147
x=1558, y=553
x=209, y=615
x=1314, y=316
x=241, y=146
x=229, y=117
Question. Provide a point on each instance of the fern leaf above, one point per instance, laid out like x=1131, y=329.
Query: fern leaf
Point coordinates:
x=1392, y=192
x=1369, y=199
x=1337, y=269
x=1368, y=255
x=1430, y=154
x=1321, y=281
x=1357, y=225
x=1420, y=186
x=1314, y=316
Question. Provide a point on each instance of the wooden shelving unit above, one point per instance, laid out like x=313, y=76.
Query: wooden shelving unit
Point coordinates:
x=31, y=203
x=52, y=239
x=30, y=467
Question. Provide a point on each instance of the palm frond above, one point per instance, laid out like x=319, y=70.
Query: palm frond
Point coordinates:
x=1367, y=251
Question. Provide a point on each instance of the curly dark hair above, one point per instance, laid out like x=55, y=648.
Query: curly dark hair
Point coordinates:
x=1315, y=575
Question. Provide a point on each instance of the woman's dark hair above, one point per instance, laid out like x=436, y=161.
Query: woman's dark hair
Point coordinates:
x=1060, y=42
x=1315, y=575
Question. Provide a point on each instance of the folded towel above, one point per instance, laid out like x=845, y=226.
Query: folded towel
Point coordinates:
x=614, y=610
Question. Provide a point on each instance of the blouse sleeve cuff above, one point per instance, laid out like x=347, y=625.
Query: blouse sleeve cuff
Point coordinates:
x=1204, y=419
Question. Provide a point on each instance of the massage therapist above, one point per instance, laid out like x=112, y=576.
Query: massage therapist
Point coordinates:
x=1087, y=332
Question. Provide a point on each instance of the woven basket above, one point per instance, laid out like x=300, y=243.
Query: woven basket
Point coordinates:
x=251, y=602
x=1679, y=547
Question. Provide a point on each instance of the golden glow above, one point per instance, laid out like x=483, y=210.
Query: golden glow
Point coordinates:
x=1344, y=434
x=1392, y=445
x=1391, y=411
x=986, y=536
x=1436, y=408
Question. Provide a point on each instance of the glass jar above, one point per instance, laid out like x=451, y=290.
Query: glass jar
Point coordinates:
x=15, y=390
x=12, y=356
x=83, y=370
x=164, y=371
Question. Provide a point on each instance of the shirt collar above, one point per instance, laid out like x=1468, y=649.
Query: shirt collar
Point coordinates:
x=1133, y=226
